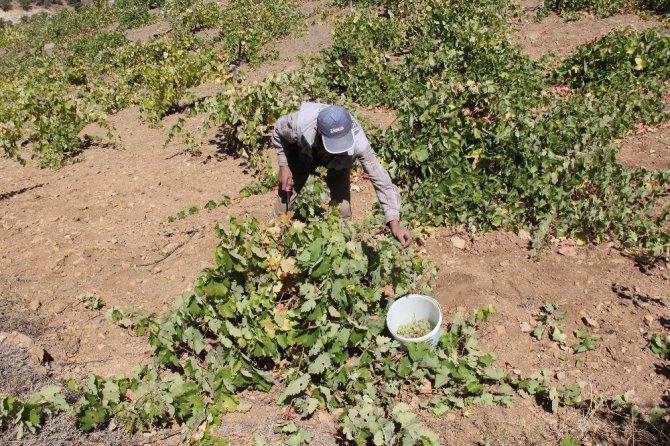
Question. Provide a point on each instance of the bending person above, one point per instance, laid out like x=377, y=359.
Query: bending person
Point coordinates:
x=327, y=135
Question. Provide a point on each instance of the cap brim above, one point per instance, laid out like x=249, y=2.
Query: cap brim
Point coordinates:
x=339, y=145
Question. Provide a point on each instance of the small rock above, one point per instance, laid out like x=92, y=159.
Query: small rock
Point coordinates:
x=72, y=345
x=590, y=322
x=458, y=242
x=35, y=305
x=648, y=319
x=156, y=270
x=525, y=327
x=560, y=376
x=355, y=188
x=524, y=235
x=49, y=48
x=517, y=372
x=36, y=352
x=125, y=265
x=568, y=251
x=500, y=329
x=244, y=407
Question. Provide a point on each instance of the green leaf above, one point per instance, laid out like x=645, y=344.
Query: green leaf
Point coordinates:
x=92, y=417
x=495, y=374
x=320, y=364
x=656, y=415
x=420, y=155
x=570, y=441
x=297, y=386
x=557, y=335
x=308, y=306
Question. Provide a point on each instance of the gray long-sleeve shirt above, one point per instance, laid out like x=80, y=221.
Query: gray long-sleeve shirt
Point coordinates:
x=295, y=135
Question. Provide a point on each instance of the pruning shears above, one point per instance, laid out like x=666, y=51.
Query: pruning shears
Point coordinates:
x=288, y=191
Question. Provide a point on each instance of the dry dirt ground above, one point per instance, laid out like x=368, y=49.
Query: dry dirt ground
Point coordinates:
x=15, y=13
x=100, y=226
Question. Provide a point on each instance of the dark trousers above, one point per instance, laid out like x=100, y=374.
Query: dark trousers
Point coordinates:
x=338, y=182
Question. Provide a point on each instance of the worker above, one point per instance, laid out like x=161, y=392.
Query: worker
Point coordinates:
x=327, y=135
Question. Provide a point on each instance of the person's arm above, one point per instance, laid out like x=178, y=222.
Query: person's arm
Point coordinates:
x=284, y=138
x=387, y=194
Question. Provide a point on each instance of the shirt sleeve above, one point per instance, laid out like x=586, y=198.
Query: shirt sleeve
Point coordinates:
x=285, y=136
x=387, y=193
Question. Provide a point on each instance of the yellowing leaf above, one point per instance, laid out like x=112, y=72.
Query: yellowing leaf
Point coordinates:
x=287, y=266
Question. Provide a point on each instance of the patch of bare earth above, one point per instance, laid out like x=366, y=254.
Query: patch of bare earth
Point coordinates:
x=649, y=149
x=596, y=284
x=25, y=367
x=15, y=13
x=380, y=118
x=553, y=35
x=148, y=32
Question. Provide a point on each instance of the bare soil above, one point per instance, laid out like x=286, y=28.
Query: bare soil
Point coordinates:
x=147, y=32
x=650, y=148
x=100, y=226
x=554, y=36
x=15, y=13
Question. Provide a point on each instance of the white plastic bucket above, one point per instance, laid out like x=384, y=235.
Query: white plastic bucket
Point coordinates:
x=415, y=307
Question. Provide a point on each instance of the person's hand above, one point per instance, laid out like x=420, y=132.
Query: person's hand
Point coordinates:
x=400, y=233
x=285, y=178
